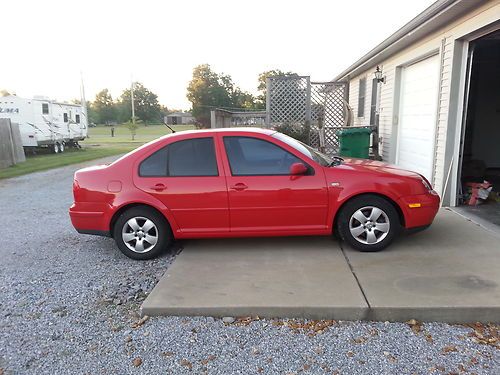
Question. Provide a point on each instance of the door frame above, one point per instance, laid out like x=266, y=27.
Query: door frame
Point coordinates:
x=457, y=110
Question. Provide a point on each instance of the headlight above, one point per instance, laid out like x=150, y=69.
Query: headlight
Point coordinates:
x=426, y=183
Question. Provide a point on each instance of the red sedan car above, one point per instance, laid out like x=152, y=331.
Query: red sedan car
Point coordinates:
x=241, y=182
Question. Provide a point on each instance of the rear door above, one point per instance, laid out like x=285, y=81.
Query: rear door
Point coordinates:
x=186, y=176
x=263, y=196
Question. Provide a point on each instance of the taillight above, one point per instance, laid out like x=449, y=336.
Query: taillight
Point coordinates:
x=76, y=190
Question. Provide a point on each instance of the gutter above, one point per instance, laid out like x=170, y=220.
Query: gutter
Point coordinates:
x=429, y=20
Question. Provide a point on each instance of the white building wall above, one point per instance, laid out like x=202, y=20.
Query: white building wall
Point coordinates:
x=441, y=42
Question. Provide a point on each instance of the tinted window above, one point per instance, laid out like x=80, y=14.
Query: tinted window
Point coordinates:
x=155, y=165
x=193, y=157
x=252, y=156
x=77, y=119
x=45, y=109
x=65, y=117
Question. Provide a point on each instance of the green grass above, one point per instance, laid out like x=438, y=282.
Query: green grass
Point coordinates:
x=100, y=144
x=102, y=134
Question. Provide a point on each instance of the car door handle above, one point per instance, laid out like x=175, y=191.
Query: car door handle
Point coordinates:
x=239, y=186
x=158, y=187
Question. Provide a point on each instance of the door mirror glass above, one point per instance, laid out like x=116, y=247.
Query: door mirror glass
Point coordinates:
x=298, y=169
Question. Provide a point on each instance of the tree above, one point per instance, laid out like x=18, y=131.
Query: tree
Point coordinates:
x=146, y=105
x=208, y=90
x=132, y=127
x=103, y=108
x=261, y=87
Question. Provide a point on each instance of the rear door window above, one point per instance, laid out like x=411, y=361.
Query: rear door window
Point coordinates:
x=155, y=165
x=192, y=157
x=188, y=158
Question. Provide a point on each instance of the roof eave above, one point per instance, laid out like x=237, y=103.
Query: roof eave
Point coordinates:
x=431, y=19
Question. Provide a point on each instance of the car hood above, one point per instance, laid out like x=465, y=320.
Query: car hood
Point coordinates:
x=376, y=167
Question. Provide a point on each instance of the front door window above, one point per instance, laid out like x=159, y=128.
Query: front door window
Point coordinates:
x=256, y=157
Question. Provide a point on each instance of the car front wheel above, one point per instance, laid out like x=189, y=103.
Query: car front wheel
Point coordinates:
x=142, y=233
x=368, y=223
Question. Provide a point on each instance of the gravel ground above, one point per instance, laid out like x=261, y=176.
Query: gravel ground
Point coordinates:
x=69, y=304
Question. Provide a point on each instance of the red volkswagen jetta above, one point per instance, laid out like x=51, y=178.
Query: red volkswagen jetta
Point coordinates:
x=245, y=182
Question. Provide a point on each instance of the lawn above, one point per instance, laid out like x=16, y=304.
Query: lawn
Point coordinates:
x=100, y=144
x=102, y=134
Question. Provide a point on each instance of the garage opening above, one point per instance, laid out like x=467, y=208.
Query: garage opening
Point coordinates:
x=479, y=190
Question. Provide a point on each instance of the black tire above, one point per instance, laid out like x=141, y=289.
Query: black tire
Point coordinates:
x=161, y=230
x=365, y=204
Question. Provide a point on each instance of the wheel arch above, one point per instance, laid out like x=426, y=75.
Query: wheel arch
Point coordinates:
x=385, y=197
x=126, y=207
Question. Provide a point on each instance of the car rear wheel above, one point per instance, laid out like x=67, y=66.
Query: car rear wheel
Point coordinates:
x=368, y=223
x=142, y=233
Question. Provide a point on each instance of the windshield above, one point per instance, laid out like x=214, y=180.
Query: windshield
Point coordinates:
x=308, y=151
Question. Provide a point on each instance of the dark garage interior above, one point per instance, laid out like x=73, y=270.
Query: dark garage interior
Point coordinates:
x=480, y=173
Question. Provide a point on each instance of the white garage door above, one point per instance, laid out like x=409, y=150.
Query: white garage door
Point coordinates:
x=417, y=117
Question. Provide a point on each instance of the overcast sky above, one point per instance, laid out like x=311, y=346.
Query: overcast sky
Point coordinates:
x=46, y=44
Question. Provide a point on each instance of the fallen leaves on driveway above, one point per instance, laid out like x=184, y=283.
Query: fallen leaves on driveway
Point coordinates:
x=415, y=326
x=184, y=362
x=140, y=322
x=486, y=334
x=311, y=327
x=390, y=357
x=449, y=349
x=137, y=362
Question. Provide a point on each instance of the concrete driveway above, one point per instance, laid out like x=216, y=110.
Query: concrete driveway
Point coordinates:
x=448, y=273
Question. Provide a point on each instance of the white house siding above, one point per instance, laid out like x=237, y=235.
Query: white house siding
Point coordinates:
x=441, y=42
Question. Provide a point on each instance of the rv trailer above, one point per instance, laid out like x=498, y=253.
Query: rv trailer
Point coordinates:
x=46, y=123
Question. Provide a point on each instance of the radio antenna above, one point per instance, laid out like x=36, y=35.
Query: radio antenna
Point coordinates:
x=168, y=126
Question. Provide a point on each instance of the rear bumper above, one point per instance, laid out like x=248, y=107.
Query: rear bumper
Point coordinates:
x=424, y=214
x=103, y=233
x=91, y=218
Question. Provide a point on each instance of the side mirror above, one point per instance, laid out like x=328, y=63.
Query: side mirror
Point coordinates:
x=297, y=169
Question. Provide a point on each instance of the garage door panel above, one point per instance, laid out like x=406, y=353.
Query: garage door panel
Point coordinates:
x=417, y=118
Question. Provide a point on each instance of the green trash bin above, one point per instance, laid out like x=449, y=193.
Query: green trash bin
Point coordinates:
x=355, y=142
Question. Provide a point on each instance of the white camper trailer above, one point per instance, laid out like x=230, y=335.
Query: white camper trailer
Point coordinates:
x=46, y=123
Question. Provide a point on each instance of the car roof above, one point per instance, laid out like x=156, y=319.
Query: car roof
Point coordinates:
x=247, y=130
x=224, y=130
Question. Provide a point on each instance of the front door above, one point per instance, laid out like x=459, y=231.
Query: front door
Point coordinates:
x=184, y=175
x=263, y=196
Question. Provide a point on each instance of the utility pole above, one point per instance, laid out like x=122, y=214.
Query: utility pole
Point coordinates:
x=132, y=100
x=83, y=102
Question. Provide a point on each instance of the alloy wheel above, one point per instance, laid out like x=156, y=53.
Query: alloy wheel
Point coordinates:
x=369, y=225
x=140, y=234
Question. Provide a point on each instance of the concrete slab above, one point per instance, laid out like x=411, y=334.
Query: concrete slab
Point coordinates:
x=448, y=273
x=486, y=216
x=305, y=277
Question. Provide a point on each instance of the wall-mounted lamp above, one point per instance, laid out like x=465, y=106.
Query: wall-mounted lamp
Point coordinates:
x=379, y=75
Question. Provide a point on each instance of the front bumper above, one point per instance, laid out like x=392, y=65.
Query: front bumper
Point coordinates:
x=419, y=210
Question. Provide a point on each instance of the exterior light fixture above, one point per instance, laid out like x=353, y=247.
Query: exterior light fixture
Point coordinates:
x=379, y=75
